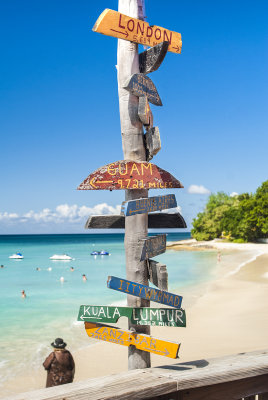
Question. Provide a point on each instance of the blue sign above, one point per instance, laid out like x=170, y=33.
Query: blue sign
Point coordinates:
x=144, y=292
x=147, y=205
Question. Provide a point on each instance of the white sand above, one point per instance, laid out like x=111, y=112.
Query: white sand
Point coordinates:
x=227, y=316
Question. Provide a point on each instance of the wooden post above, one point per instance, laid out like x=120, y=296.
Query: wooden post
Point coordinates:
x=136, y=227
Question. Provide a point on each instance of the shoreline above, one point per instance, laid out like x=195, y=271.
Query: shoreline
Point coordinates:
x=226, y=315
x=216, y=244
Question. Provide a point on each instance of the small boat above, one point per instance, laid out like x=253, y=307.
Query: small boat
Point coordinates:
x=63, y=257
x=95, y=253
x=99, y=253
x=17, y=256
x=104, y=253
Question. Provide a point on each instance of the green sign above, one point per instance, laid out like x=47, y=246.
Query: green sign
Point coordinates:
x=137, y=316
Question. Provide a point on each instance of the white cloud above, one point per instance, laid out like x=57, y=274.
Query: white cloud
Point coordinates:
x=62, y=213
x=198, y=189
x=100, y=209
x=8, y=216
x=233, y=194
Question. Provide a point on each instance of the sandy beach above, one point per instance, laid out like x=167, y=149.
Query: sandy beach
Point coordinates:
x=227, y=315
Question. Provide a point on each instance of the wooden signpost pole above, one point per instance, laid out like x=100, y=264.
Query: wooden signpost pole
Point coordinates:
x=136, y=227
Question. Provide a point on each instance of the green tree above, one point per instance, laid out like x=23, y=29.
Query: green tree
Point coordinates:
x=208, y=225
x=244, y=217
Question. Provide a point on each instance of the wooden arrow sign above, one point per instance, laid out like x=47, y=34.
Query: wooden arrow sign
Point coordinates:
x=151, y=59
x=147, y=205
x=144, y=292
x=141, y=85
x=113, y=23
x=155, y=221
x=153, y=246
x=145, y=113
x=137, y=316
x=128, y=338
x=152, y=142
x=158, y=274
x=129, y=175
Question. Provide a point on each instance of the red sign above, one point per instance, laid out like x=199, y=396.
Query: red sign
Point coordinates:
x=129, y=175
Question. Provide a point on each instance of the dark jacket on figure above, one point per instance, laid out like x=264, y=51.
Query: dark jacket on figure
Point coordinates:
x=60, y=368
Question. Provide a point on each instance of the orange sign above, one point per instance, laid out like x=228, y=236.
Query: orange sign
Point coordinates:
x=113, y=23
x=129, y=175
x=127, y=338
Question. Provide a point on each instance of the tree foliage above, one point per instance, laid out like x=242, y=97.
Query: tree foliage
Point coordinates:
x=243, y=217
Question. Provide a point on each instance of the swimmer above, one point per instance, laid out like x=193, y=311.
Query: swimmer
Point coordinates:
x=84, y=277
x=62, y=279
x=72, y=269
x=1, y=266
x=38, y=269
x=23, y=294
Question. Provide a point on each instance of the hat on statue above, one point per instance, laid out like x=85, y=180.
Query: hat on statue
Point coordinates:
x=58, y=344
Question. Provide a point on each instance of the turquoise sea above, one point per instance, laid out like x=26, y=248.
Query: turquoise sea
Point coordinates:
x=29, y=325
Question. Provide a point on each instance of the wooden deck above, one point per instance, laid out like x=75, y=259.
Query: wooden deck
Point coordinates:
x=240, y=376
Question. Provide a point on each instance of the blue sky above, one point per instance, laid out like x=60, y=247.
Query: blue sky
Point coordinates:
x=59, y=117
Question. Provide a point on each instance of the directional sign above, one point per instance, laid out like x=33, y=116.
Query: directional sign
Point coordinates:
x=113, y=23
x=129, y=175
x=142, y=85
x=144, y=292
x=152, y=142
x=158, y=274
x=145, y=113
x=151, y=59
x=128, y=338
x=147, y=205
x=153, y=246
x=137, y=316
x=156, y=220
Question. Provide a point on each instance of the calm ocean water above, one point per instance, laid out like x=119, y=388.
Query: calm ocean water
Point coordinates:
x=29, y=325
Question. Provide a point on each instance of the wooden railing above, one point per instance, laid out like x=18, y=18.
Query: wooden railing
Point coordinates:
x=237, y=377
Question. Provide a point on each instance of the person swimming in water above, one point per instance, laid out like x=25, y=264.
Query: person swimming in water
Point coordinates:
x=23, y=294
x=84, y=277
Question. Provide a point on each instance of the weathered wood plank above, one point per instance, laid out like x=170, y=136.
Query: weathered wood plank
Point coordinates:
x=141, y=85
x=130, y=385
x=149, y=204
x=145, y=113
x=222, y=391
x=151, y=59
x=144, y=292
x=158, y=274
x=152, y=142
x=129, y=175
x=115, y=24
x=138, y=315
x=154, y=382
x=156, y=220
x=105, y=222
x=153, y=246
x=129, y=338
x=166, y=220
